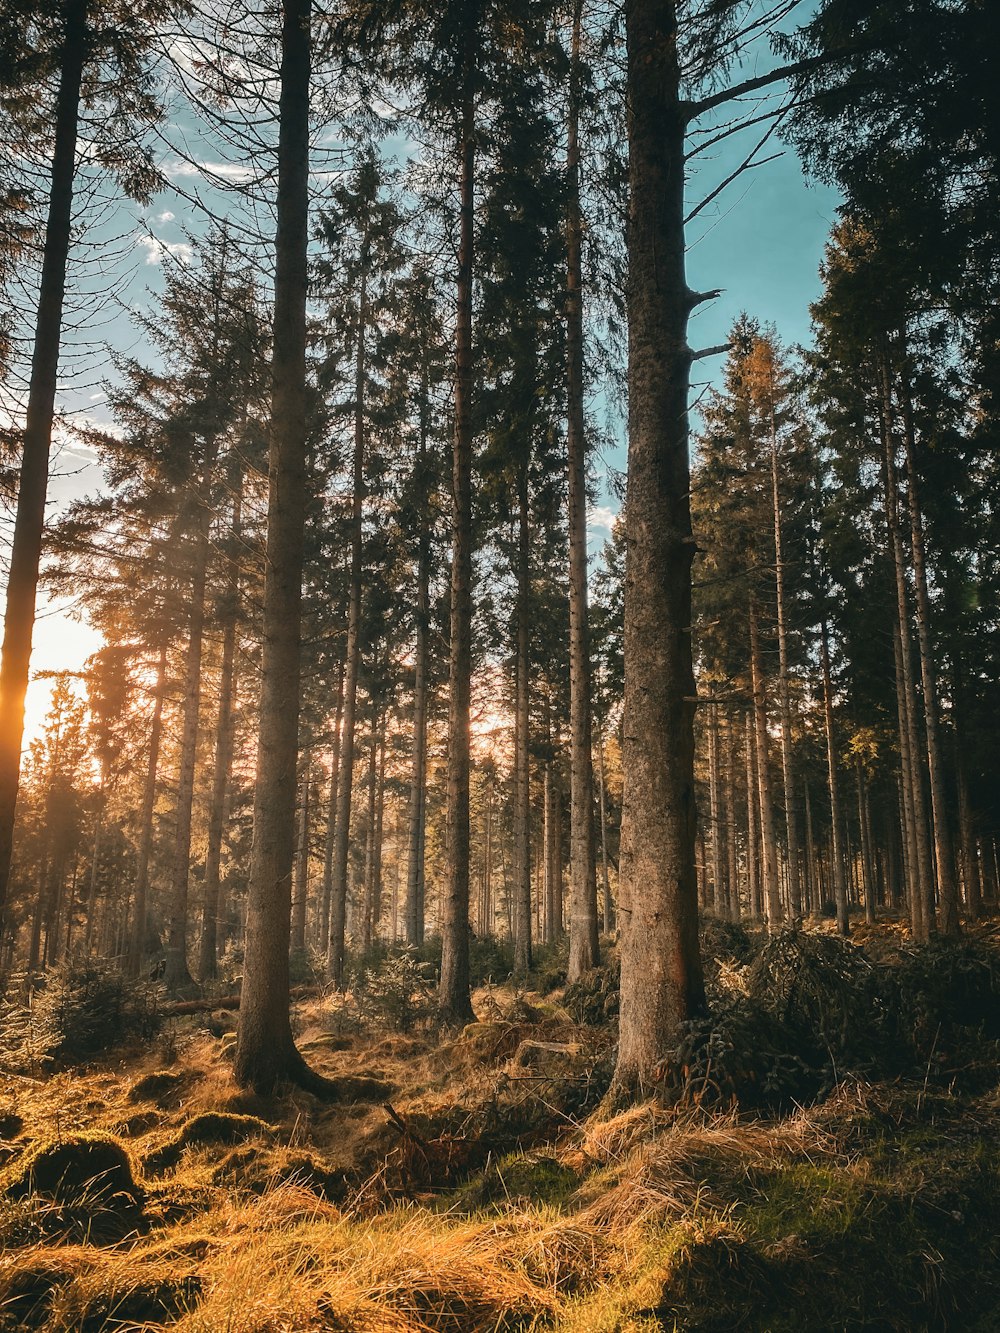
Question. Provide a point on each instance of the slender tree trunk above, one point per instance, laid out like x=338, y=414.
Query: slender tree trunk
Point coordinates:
x=368, y=907
x=265, y=1051
x=784, y=699
x=719, y=897
x=608, y=906
x=177, y=977
x=522, y=722
x=729, y=807
x=584, y=950
x=225, y=731
x=867, y=861
x=754, y=894
x=300, y=895
x=418, y=780
x=331, y=814
x=379, y=829
x=342, y=824
x=139, y=921
x=29, y=521
x=486, y=914
x=769, y=847
x=947, y=887
x=454, y=999
x=661, y=979
x=809, y=886
x=833, y=787
x=923, y=906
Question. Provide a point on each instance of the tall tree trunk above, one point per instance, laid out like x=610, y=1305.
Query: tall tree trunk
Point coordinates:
x=342, y=824
x=454, y=999
x=29, y=521
x=368, y=903
x=379, y=828
x=486, y=912
x=418, y=779
x=137, y=943
x=225, y=730
x=754, y=894
x=300, y=895
x=331, y=813
x=913, y=769
x=809, y=887
x=784, y=699
x=719, y=897
x=177, y=977
x=833, y=787
x=729, y=808
x=607, y=905
x=522, y=722
x=947, y=887
x=584, y=949
x=265, y=1050
x=867, y=861
x=769, y=847
x=661, y=974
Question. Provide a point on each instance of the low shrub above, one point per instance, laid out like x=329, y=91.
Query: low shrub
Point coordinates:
x=82, y=1010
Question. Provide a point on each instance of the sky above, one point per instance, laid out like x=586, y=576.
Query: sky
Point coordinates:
x=760, y=243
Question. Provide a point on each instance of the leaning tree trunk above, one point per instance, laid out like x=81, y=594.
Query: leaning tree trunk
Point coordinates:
x=454, y=999
x=769, y=846
x=661, y=974
x=943, y=853
x=265, y=1050
x=29, y=521
x=137, y=942
x=584, y=949
x=522, y=794
x=342, y=823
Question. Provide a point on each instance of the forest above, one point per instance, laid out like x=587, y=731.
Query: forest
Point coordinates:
x=524, y=852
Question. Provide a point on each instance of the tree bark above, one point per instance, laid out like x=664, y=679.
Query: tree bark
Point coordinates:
x=947, y=887
x=342, y=825
x=522, y=722
x=729, y=815
x=719, y=896
x=225, y=731
x=300, y=897
x=754, y=895
x=331, y=815
x=661, y=975
x=607, y=905
x=265, y=1051
x=769, y=847
x=141, y=893
x=784, y=699
x=177, y=976
x=454, y=999
x=584, y=948
x=418, y=780
x=29, y=521
x=923, y=905
x=833, y=787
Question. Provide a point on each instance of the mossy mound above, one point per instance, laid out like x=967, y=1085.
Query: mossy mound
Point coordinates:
x=86, y=1184
x=163, y=1086
x=519, y=1178
x=212, y=1127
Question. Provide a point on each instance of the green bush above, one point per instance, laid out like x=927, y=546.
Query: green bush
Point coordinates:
x=83, y=1010
x=396, y=993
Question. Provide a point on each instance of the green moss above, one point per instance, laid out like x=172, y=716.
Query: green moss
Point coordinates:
x=202, y=1130
x=84, y=1184
x=533, y=1178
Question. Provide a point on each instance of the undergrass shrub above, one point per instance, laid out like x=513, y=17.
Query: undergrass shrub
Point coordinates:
x=83, y=1010
x=396, y=993
x=941, y=995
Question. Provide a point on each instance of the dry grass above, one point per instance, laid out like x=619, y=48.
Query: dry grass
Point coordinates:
x=302, y=1217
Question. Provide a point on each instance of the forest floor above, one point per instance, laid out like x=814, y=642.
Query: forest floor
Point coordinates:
x=479, y=1182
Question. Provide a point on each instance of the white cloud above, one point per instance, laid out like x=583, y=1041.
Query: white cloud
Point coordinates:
x=601, y=518
x=165, y=216
x=155, y=249
x=227, y=171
